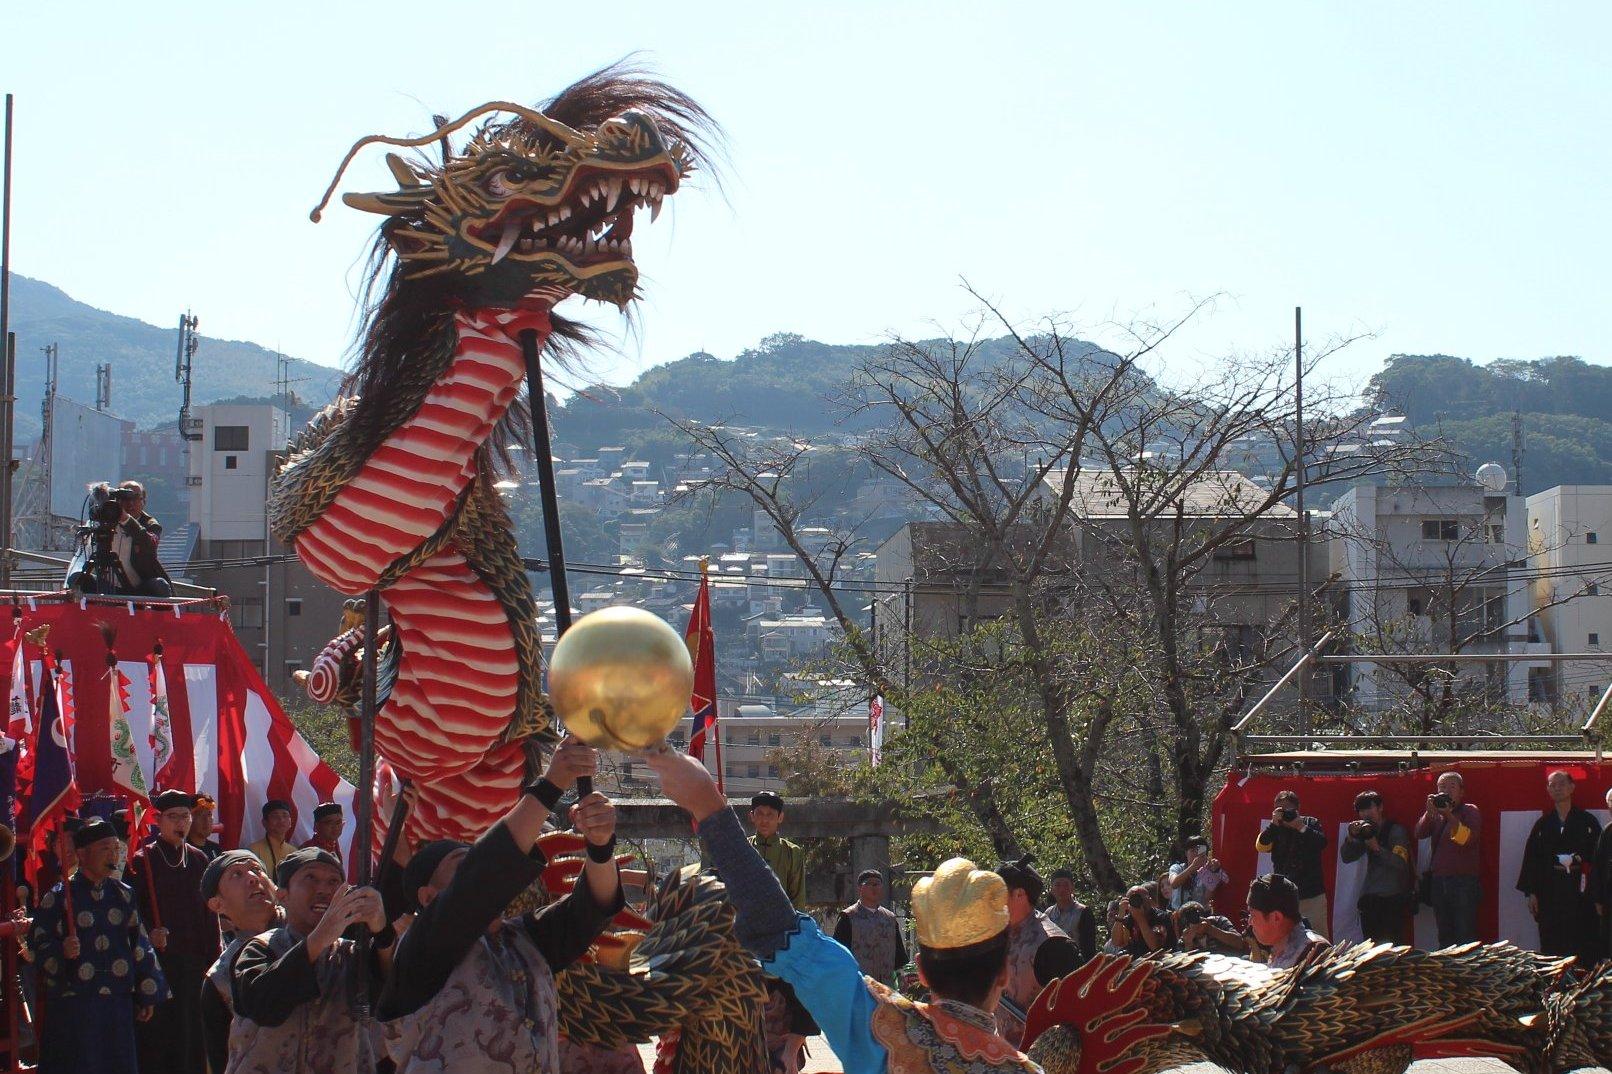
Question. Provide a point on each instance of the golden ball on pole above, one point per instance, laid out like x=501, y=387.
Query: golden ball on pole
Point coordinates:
x=620, y=679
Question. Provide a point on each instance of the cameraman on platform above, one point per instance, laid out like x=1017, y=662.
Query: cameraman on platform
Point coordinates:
x=134, y=539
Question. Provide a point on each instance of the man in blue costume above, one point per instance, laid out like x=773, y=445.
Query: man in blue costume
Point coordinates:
x=100, y=974
x=962, y=923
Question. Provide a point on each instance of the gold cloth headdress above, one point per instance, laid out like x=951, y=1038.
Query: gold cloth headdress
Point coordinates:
x=959, y=906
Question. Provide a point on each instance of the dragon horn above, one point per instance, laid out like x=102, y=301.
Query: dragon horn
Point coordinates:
x=569, y=135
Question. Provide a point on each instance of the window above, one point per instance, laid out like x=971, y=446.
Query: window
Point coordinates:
x=772, y=771
x=1590, y=538
x=293, y=606
x=727, y=740
x=753, y=738
x=772, y=740
x=1238, y=549
x=231, y=462
x=1440, y=529
x=231, y=437
x=854, y=740
x=1595, y=639
x=1413, y=605
x=827, y=740
x=293, y=665
x=753, y=771
x=731, y=770
x=1497, y=534
x=248, y=614
x=1592, y=590
x=677, y=739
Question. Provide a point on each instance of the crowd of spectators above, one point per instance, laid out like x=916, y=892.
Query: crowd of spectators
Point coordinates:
x=1566, y=876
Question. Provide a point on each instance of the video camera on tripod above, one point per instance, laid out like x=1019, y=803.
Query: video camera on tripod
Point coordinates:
x=95, y=567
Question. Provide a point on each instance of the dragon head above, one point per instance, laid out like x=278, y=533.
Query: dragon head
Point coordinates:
x=544, y=202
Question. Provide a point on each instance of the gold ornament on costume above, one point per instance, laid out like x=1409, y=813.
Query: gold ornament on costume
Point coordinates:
x=620, y=679
x=960, y=905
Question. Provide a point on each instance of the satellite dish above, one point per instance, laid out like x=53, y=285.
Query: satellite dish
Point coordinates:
x=1492, y=476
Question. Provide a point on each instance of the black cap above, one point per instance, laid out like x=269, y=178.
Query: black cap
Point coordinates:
x=300, y=859
x=1021, y=874
x=423, y=866
x=120, y=822
x=173, y=799
x=216, y=868
x=275, y=803
x=326, y=809
x=772, y=799
x=1274, y=893
x=869, y=874
x=72, y=824
x=93, y=831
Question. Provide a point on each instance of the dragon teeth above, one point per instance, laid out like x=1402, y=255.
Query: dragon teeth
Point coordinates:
x=506, y=241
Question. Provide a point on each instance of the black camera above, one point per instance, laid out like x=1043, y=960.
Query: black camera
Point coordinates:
x=1442, y=801
x=1136, y=900
x=1191, y=914
x=1290, y=815
x=1363, y=830
x=95, y=567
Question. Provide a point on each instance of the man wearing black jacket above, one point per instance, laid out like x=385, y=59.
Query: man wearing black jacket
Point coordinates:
x=1556, y=863
x=135, y=541
x=1295, y=842
x=465, y=975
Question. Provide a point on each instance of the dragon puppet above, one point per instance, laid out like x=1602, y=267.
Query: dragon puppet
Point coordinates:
x=391, y=486
x=1355, y=1009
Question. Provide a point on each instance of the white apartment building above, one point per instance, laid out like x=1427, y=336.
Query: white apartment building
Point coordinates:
x=1418, y=565
x=1570, y=560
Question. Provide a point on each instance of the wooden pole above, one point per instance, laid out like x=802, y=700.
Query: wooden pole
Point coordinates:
x=364, y=808
x=543, y=458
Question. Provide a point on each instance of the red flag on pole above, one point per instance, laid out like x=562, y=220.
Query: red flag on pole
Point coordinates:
x=54, y=793
x=701, y=641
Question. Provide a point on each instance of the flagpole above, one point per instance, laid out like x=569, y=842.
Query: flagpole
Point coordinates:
x=712, y=728
x=139, y=818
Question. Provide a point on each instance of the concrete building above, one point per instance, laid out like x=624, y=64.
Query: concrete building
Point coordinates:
x=1432, y=569
x=282, y=614
x=1570, y=560
x=928, y=584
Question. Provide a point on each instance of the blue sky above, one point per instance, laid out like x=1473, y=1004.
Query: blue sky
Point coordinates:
x=1435, y=174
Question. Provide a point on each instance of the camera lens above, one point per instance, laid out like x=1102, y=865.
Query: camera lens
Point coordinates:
x=1290, y=814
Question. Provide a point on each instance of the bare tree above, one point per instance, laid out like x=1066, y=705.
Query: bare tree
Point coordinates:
x=1092, y=510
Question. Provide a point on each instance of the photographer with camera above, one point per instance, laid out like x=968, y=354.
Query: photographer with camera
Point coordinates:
x=1140, y=927
x=1295, y=843
x=1202, y=931
x=1385, y=897
x=1197, y=878
x=118, y=545
x=1453, y=884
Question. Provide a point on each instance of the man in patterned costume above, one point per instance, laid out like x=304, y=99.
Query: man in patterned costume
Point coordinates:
x=99, y=970
x=292, y=987
x=1038, y=951
x=472, y=992
x=871, y=931
x=962, y=923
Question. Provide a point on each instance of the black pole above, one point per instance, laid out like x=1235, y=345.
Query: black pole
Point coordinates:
x=1299, y=448
x=364, y=809
x=7, y=342
x=542, y=455
x=394, y=835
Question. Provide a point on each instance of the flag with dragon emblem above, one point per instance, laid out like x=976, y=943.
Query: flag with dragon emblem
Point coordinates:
x=126, y=771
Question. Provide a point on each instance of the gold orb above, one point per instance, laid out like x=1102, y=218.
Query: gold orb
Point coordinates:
x=620, y=678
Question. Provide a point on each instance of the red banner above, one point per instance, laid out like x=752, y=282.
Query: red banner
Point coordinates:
x=228, y=728
x=1508, y=791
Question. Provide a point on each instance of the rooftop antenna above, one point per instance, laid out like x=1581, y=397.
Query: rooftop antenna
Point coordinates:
x=183, y=358
x=103, y=386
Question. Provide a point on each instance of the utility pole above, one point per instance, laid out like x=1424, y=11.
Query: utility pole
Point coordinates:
x=9, y=343
x=1304, y=517
x=1516, y=452
x=47, y=408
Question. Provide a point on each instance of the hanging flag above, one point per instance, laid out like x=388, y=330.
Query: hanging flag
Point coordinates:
x=126, y=772
x=876, y=729
x=164, y=760
x=701, y=641
x=20, y=720
x=54, y=793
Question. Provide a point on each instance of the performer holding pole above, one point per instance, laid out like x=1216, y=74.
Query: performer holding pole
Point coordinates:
x=184, y=933
x=97, y=965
